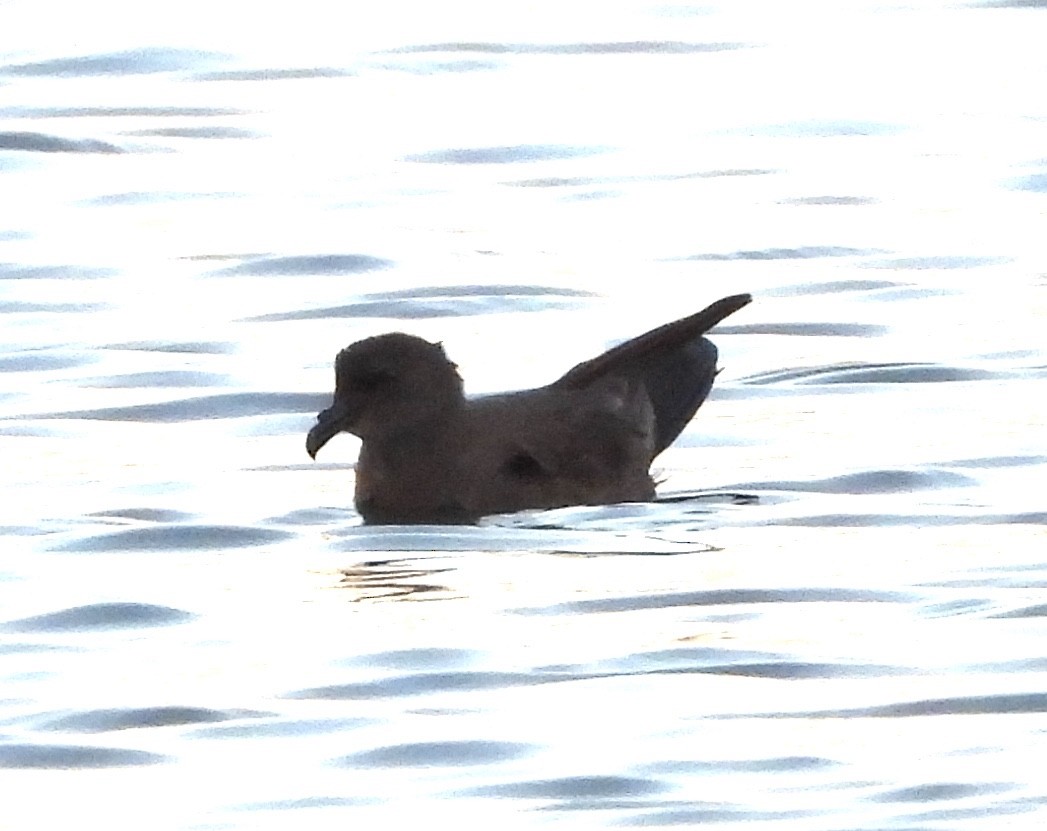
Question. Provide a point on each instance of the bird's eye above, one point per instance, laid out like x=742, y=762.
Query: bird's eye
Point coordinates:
x=370, y=381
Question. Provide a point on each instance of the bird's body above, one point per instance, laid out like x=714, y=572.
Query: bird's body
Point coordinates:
x=430, y=455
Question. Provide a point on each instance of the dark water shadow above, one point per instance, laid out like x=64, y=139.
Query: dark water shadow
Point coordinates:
x=175, y=347
x=590, y=181
x=974, y=705
x=207, y=407
x=937, y=792
x=308, y=264
x=428, y=683
x=73, y=757
x=100, y=617
x=874, y=373
x=791, y=670
x=16, y=271
x=145, y=61
x=18, y=307
x=424, y=309
x=869, y=482
x=991, y=462
x=947, y=262
x=915, y=520
x=821, y=330
x=830, y=199
x=282, y=728
x=509, y=154
x=591, y=791
x=309, y=516
x=37, y=360
x=119, y=112
x=1039, y=610
x=833, y=287
x=210, y=538
x=448, y=754
x=743, y=663
x=15, y=648
x=1011, y=4
x=697, y=813
x=442, y=301
x=803, y=253
x=133, y=718
x=719, y=597
x=203, y=132
x=275, y=74
x=47, y=143
x=422, y=658
x=773, y=764
x=166, y=378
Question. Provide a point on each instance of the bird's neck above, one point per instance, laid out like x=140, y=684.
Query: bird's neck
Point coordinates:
x=410, y=473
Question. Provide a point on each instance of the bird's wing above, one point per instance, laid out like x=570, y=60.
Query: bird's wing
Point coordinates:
x=674, y=363
x=550, y=448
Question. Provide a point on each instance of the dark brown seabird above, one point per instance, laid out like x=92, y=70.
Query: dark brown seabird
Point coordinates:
x=430, y=455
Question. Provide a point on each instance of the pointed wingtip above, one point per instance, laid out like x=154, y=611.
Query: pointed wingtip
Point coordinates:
x=668, y=336
x=724, y=307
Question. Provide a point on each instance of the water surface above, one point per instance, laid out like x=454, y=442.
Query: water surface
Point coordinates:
x=832, y=618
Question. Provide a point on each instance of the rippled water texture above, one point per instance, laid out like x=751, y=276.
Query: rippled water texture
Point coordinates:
x=834, y=616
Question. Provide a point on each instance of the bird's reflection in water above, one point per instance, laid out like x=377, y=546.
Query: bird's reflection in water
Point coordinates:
x=396, y=579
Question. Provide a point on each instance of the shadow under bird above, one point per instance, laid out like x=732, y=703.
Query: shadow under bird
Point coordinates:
x=431, y=455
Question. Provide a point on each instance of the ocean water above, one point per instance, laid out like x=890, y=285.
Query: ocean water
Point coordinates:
x=833, y=618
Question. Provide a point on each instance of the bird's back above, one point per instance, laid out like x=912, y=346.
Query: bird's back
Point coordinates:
x=551, y=447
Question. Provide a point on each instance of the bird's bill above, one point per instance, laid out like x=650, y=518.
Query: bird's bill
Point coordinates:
x=329, y=423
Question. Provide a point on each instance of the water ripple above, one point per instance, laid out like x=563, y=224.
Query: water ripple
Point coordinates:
x=166, y=378
x=176, y=538
x=275, y=74
x=587, y=788
x=225, y=405
x=45, y=143
x=14, y=271
x=41, y=361
x=100, y=616
x=306, y=264
x=422, y=658
x=437, y=754
x=874, y=373
x=291, y=728
x=132, y=62
x=974, y=705
x=104, y=721
x=423, y=683
x=71, y=757
x=770, y=765
x=176, y=347
x=933, y=792
x=871, y=481
x=450, y=301
x=504, y=155
x=720, y=597
x=835, y=330
x=806, y=252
